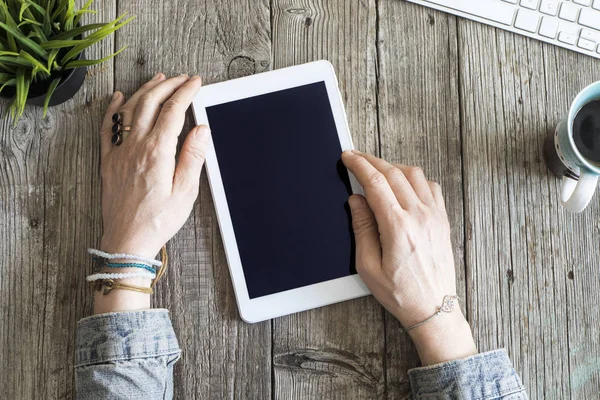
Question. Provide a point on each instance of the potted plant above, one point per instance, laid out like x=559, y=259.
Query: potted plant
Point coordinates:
x=42, y=47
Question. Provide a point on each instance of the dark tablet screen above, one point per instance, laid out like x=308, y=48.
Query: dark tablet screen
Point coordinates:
x=287, y=190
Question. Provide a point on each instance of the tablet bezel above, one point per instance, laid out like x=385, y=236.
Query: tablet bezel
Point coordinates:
x=306, y=297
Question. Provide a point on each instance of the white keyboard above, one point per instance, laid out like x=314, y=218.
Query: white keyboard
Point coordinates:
x=574, y=24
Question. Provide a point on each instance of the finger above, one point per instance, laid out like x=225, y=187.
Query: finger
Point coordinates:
x=417, y=180
x=128, y=110
x=378, y=192
x=191, y=159
x=402, y=189
x=116, y=102
x=172, y=115
x=368, y=246
x=438, y=196
x=149, y=105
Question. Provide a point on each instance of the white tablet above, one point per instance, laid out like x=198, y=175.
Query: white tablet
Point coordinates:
x=280, y=189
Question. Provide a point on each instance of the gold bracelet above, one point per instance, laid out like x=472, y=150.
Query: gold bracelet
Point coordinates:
x=447, y=306
x=110, y=284
x=164, y=257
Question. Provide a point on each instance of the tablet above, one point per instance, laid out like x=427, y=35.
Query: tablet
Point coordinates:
x=280, y=189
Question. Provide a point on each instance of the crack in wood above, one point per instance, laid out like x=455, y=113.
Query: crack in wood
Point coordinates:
x=331, y=362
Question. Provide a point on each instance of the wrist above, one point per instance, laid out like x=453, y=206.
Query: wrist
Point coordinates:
x=120, y=299
x=128, y=247
x=445, y=338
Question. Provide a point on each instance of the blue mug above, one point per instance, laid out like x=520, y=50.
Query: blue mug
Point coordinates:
x=579, y=174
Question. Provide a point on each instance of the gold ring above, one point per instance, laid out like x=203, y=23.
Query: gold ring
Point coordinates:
x=118, y=128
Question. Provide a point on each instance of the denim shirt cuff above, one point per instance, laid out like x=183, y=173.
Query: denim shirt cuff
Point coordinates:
x=482, y=376
x=125, y=335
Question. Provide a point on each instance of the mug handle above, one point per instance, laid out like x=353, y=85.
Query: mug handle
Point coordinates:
x=576, y=195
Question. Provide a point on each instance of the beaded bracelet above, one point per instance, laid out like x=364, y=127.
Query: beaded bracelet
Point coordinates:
x=130, y=265
x=107, y=280
x=122, y=256
x=138, y=274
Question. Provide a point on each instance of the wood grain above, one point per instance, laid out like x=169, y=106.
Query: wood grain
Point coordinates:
x=223, y=357
x=49, y=215
x=420, y=125
x=334, y=352
x=576, y=242
x=469, y=103
x=522, y=246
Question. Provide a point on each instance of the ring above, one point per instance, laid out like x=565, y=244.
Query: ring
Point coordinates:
x=117, y=118
x=116, y=139
x=118, y=128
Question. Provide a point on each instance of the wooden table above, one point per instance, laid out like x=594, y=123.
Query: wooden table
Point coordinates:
x=469, y=103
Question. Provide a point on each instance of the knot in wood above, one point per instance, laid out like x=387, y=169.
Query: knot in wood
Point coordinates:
x=240, y=66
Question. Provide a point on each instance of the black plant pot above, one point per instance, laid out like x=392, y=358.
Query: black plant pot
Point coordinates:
x=71, y=82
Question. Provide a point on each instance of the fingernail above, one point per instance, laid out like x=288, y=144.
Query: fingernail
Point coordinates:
x=155, y=77
x=195, y=77
x=115, y=95
x=185, y=75
x=355, y=201
x=203, y=130
x=357, y=152
x=348, y=153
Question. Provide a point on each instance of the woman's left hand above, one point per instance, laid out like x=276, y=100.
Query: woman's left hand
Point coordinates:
x=146, y=196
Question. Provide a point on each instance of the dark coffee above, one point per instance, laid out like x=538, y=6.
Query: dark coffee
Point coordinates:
x=586, y=131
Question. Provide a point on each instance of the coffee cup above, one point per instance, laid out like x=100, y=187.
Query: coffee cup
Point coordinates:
x=572, y=151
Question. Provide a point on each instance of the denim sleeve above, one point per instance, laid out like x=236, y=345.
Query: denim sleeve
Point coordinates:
x=126, y=355
x=482, y=376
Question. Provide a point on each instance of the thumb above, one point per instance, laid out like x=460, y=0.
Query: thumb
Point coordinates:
x=191, y=159
x=366, y=233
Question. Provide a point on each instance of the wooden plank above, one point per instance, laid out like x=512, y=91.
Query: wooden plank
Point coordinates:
x=575, y=248
x=223, y=357
x=49, y=215
x=334, y=352
x=419, y=125
x=520, y=244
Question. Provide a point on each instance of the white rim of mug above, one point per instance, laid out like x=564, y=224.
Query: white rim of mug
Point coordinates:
x=571, y=119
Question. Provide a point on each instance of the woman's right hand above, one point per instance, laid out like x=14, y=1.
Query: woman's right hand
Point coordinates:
x=404, y=253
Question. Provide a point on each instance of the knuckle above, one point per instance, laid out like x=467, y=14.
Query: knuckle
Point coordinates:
x=364, y=266
x=435, y=187
x=146, y=99
x=196, y=152
x=376, y=179
x=171, y=104
x=362, y=225
x=395, y=174
x=414, y=172
x=391, y=208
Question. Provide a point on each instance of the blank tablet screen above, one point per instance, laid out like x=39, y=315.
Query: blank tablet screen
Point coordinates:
x=287, y=191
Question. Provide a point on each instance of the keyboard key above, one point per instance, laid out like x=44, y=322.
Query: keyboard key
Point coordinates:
x=568, y=11
x=568, y=38
x=596, y=4
x=550, y=7
x=583, y=2
x=531, y=4
x=586, y=44
x=587, y=34
x=549, y=27
x=493, y=11
x=598, y=50
x=527, y=20
x=590, y=18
